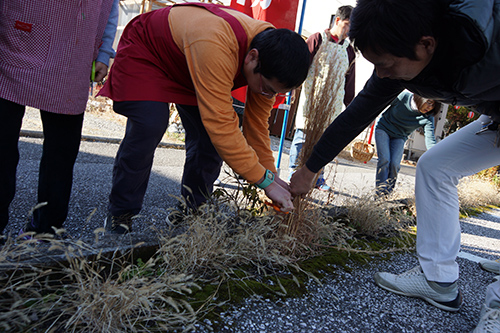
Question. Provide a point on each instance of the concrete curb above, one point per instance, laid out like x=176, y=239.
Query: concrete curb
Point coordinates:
x=90, y=138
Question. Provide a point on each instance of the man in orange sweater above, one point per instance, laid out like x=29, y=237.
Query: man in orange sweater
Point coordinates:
x=197, y=66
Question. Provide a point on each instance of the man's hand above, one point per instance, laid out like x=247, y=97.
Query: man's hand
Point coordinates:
x=280, y=196
x=281, y=182
x=101, y=70
x=302, y=181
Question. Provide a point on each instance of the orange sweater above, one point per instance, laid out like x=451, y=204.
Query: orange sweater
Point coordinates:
x=211, y=51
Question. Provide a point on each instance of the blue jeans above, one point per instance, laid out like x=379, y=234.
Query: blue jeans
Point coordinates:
x=295, y=148
x=390, y=152
x=297, y=143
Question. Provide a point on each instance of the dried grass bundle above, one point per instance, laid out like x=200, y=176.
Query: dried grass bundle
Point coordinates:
x=325, y=89
x=217, y=238
x=373, y=216
x=91, y=295
x=322, y=95
x=477, y=191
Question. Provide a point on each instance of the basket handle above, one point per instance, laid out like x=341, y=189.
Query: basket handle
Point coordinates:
x=366, y=135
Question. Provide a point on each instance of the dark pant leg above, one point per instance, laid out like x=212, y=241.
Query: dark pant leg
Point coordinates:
x=62, y=134
x=11, y=117
x=146, y=124
x=203, y=163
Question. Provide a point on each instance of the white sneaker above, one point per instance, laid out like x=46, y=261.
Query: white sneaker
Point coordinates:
x=414, y=284
x=492, y=266
x=489, y=321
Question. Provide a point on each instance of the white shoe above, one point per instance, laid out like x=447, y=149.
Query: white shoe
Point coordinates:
x=489, y=321
x=217, y=182
x=414, y=284
x=492, y=266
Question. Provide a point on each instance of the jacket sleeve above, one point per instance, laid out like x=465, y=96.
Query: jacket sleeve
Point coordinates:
x=430, y=138
x=366, y=106
x=256, y=128
x=313, y=43
x=350, y=78
x=106, y=49
x=212, y=69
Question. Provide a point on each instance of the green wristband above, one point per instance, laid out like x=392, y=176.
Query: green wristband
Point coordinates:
x=268, y=179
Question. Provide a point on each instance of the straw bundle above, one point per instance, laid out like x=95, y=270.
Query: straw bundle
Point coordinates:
x=324, y=91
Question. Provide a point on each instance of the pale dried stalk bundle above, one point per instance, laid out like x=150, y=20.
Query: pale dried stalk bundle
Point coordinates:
x=475, y=191
x=88, y=299
x=216, y=239
x=326, y=87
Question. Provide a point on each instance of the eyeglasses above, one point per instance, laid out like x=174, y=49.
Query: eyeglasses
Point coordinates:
x=267, y=94
x=430, y=102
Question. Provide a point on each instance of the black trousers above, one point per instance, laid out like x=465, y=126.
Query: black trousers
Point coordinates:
x=146, y=124
x=62, y=135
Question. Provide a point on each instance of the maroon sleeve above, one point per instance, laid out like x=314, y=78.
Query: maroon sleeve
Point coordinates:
x=314, y=42
x=350, y=77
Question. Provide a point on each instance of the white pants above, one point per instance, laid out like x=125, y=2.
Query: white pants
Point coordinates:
x=438, y=171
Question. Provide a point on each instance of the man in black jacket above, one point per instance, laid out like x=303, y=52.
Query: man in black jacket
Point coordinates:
x=447, y=51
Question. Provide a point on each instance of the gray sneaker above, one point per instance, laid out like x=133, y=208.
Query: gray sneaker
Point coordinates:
x=489, y=321
x=414, y=284
x=119, y=224
x=492, y=266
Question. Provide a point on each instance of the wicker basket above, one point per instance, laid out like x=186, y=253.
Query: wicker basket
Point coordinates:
x=362, y=151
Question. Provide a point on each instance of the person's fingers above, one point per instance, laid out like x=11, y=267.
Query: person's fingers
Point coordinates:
x=101, y=70
x=287, y=207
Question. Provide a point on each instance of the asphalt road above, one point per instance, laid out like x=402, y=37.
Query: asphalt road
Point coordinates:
x=346, y=302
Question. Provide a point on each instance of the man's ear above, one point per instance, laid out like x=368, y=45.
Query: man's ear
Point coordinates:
x=428, y=43
x=252, y=57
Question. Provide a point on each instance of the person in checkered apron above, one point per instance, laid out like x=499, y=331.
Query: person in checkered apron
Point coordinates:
x=47, y=49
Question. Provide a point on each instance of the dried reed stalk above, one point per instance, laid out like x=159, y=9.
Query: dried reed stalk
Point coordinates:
x=325, y=88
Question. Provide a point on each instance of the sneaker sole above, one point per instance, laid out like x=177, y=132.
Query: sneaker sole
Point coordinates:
x=447, y=306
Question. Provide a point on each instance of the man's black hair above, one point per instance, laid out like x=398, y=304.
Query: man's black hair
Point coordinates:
x=394, y=26
x=344, y=12
x=283, y=55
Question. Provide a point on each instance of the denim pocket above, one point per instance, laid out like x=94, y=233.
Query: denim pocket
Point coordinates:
x=23, y=44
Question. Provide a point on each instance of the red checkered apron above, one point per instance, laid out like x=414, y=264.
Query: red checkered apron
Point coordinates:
x=46, y=51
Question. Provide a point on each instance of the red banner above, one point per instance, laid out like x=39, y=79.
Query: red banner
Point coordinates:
x=281, y=13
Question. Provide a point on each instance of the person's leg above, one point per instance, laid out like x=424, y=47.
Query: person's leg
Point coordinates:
x=62, y=134
x=438, y=228
x=295, y=148
x=11, y=117
x=438, y=171
x=397, y=148
x=489, y=320
x=382, y=142
x=146, y=124
x=493, y=295
x=203, y=163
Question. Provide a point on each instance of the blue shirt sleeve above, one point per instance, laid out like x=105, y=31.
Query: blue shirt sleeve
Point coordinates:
x=106, y=50
x=430, y=138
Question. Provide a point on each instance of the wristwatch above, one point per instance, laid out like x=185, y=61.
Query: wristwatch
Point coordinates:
x=268, y=179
